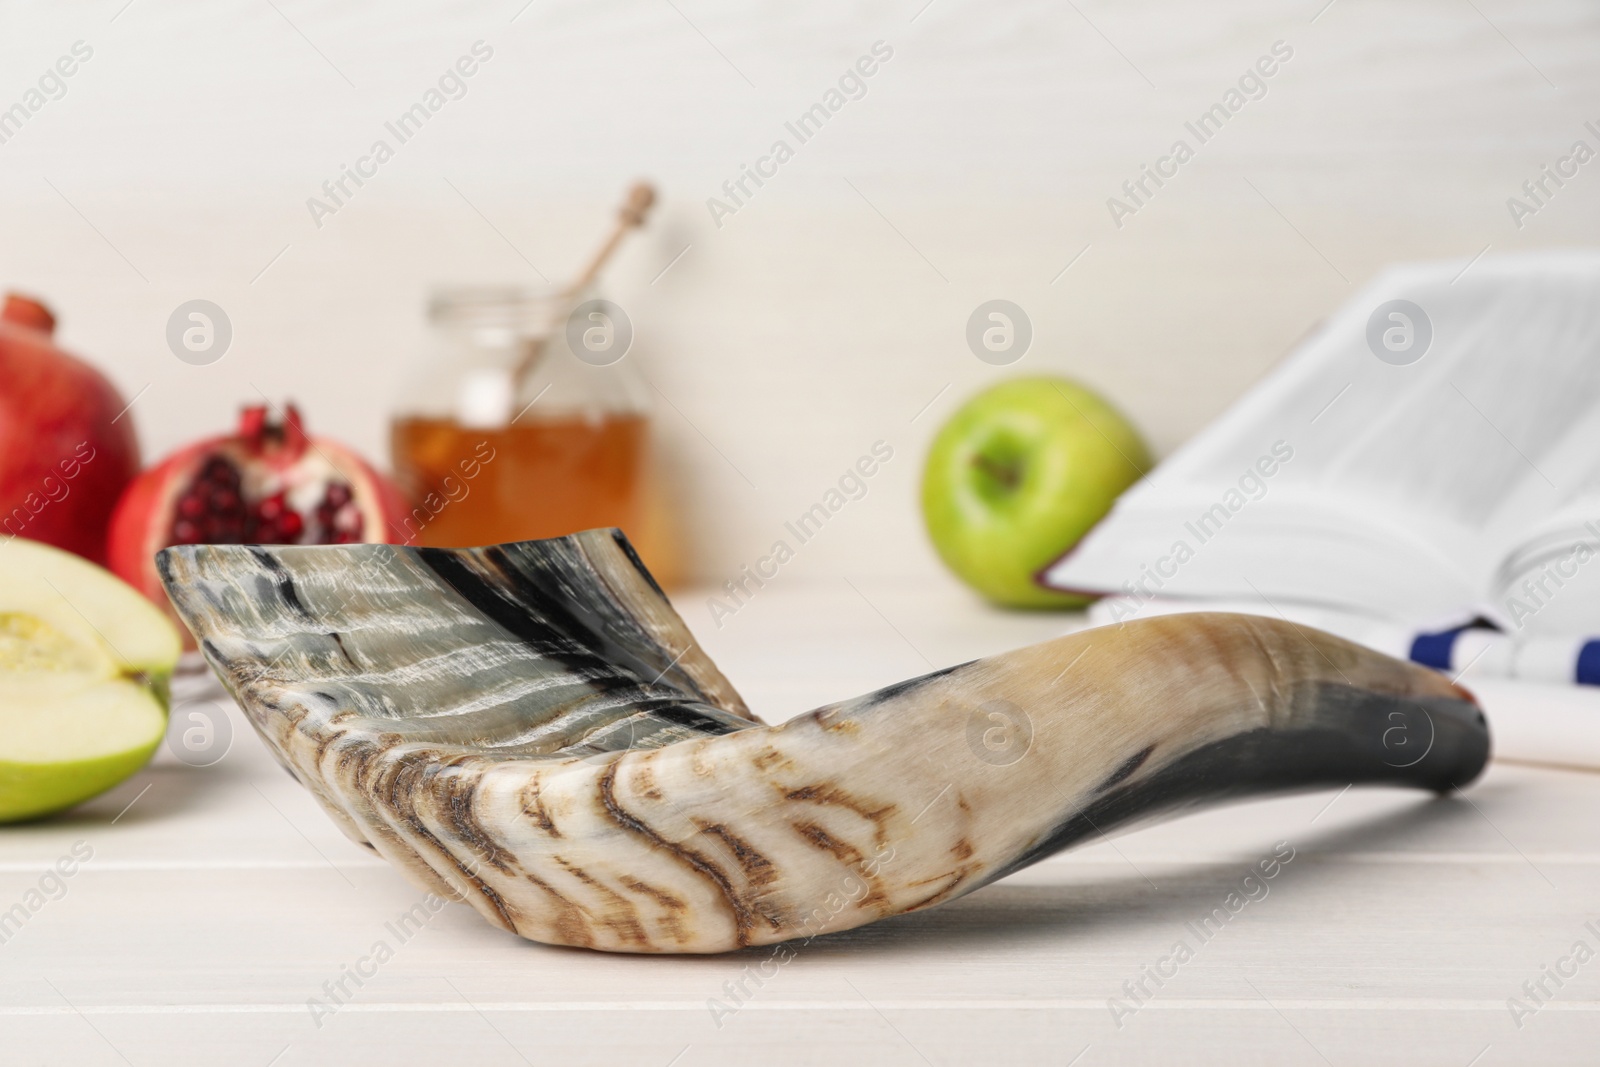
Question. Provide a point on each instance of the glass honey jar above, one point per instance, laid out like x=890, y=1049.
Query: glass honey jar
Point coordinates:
x=527, y=421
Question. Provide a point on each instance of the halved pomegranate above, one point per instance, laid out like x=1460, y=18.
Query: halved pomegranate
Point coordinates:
x=268, y=484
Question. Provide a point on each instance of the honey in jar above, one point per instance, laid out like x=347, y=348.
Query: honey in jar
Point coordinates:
x=492, y=446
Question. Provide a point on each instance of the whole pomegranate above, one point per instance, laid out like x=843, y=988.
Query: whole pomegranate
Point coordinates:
x=268, y=484
x=67, y=446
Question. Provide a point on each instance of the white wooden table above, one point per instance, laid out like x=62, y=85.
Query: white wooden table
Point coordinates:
x=220, y=901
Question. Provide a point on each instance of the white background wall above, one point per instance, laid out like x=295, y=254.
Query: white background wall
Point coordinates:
x=830, y=310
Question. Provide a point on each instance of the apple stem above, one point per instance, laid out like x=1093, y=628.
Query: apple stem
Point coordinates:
x=1007, y=474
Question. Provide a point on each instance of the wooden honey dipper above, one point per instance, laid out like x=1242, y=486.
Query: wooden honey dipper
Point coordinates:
x=641, y=197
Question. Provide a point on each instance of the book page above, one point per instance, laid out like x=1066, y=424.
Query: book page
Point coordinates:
x=1408, y=473
x=1546, y=580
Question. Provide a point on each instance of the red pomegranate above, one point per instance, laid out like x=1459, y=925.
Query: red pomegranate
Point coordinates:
x=268, y=484
x=67, y=446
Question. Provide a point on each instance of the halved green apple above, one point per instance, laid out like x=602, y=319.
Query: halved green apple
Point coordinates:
x=85, y=662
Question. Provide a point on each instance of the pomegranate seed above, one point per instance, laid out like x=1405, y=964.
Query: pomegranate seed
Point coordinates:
x=219, y=471
x=214, y=508
x=210, y=510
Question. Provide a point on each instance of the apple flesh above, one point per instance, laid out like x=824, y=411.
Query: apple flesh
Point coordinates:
x=85, y=662
x=1017, y=476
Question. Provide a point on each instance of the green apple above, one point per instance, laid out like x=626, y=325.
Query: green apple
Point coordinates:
x=1017, y=476
x=85, y=662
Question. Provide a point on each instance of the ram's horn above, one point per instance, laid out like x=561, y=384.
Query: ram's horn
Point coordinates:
x=531, y=728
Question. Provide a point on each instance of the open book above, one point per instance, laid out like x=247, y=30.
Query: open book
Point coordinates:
x=1429, y=455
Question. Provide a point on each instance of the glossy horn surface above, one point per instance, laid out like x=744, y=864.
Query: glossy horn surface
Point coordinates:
x=532, y=729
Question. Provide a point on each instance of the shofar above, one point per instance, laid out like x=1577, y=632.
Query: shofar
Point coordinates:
x=532, y=729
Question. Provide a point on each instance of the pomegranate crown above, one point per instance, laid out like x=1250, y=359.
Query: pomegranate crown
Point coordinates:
x=26, y=311
x=286, y=437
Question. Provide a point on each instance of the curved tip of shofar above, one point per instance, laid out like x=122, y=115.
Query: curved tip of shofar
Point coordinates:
x=531, y=728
